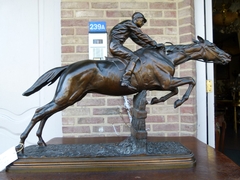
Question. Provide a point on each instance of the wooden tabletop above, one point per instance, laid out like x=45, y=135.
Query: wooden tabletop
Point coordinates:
x=211, y=164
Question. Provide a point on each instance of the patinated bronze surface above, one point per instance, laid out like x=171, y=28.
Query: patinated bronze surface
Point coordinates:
x=135, y=151
x=139, y=114
x=128, y=147
x=154, y=71
x=119, y=34
x=211, y=164
x=91, y=157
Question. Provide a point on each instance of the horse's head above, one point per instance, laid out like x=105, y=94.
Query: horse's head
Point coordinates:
x=212, y=53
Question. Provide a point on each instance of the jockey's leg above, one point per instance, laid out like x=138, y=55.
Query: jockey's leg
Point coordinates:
x=126, y=78
x=117, y=49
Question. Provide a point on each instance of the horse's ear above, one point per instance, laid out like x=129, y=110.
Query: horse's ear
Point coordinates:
x=195, y=41
x=200, y=39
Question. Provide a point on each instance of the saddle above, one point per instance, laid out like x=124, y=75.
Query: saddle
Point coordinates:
x=120, y=63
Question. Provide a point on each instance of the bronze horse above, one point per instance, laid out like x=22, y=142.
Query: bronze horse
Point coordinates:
x=155, y=71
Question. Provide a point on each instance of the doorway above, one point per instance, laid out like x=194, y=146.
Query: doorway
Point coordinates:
x=226, y=35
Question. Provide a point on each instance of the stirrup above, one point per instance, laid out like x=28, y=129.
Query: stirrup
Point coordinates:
x=128, y=84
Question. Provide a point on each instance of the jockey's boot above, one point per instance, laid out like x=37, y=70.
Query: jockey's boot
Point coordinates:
x=126, y=78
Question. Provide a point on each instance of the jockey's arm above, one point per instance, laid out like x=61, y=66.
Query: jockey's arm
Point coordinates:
x=138, y=41
x=143, y=44
x=139, y=37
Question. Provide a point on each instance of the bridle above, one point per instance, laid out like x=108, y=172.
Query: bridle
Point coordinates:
x=206, y=49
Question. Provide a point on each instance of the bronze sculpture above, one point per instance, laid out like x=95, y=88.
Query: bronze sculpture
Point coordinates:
x=154, y=71
x=119, y=34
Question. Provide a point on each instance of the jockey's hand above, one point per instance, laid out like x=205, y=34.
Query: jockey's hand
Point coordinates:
x=160, y=45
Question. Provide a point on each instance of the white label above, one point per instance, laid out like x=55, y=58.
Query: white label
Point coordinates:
x=7, y=158
x=98, y=53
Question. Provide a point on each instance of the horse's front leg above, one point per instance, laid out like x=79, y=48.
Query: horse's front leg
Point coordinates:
x=173, y=92
x=175, y=82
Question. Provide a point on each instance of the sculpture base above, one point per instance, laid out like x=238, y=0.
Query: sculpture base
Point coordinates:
x=130, y=154
x=101, y=164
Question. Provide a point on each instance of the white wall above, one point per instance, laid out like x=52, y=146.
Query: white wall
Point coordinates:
x=30, y=44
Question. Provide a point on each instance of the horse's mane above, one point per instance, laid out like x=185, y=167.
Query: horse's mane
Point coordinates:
x=180, y=47
x=170, y=48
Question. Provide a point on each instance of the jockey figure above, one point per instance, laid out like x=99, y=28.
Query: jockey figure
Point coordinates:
x=119, y=34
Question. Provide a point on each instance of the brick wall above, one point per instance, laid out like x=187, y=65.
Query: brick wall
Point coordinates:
x=99, y=115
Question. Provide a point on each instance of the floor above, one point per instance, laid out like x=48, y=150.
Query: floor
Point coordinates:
x=232, y=143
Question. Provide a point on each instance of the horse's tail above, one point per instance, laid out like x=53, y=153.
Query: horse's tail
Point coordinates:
x=47, y=78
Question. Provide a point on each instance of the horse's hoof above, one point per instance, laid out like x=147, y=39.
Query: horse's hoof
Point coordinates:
x=19, y=148
x=41, y=143
x=154, y=100
x=177, y=103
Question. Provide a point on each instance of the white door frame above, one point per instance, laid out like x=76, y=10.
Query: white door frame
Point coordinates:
x=205, y=101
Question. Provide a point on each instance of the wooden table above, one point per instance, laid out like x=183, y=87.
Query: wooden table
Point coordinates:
x=211, y=164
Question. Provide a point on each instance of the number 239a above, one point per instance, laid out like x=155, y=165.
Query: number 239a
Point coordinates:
x=97, y=27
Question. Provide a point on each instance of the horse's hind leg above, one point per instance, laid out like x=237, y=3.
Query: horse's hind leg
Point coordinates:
x=20, y=146
x=41, y=114
x=39, y=133
x=77, y=97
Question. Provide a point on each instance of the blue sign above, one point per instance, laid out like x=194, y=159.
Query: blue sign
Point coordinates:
x=97, y=27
